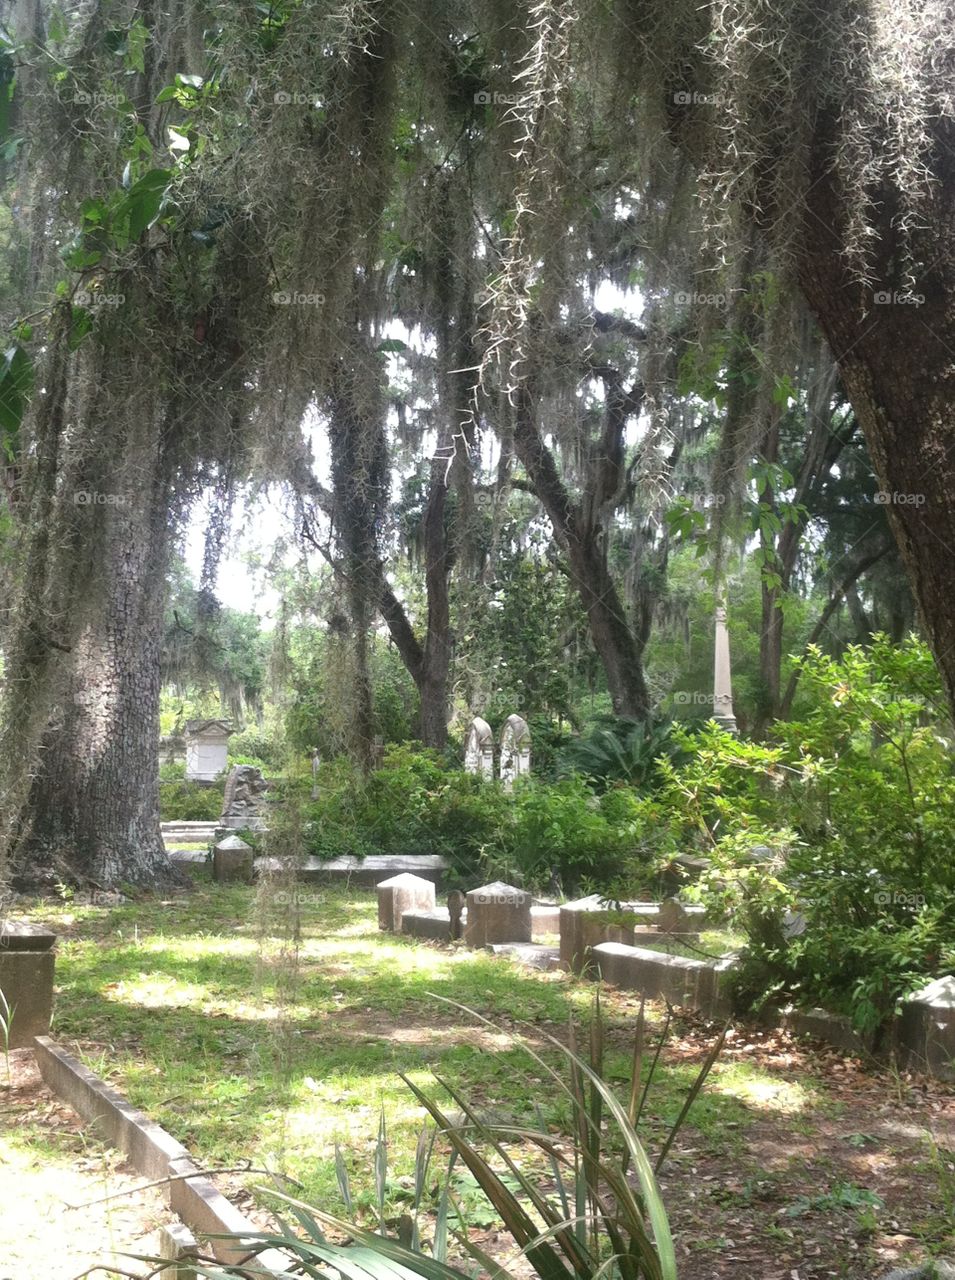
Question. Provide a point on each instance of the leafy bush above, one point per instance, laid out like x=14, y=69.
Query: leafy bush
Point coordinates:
x=562, y=836
x=413, y=804
x=849, y=822
x=189, y=802
x=416, y=803
x=257, y=747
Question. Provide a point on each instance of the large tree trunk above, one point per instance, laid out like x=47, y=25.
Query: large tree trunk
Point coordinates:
x=92, y=815
x=359, y=475
x=582, y=541
x=896, y=353
x=435, y=669
x=428, y=664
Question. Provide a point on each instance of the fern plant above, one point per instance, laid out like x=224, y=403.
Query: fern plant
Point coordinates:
x=621, y=749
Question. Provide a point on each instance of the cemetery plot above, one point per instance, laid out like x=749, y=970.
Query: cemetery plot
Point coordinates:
x=189, y=1008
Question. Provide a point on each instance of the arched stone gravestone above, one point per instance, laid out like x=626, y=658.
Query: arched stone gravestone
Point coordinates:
x=515, y=750
x=479, y=749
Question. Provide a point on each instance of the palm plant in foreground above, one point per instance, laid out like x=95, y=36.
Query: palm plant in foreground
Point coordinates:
x=603, y=1218
x=6, y=1021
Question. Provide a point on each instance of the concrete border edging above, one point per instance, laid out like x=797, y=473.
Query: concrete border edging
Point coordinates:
x=154, y=1154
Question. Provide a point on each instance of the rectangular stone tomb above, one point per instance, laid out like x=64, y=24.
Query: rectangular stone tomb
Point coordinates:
x=589, y=921
x=693, y=984
x=363, y=872
x=434, y=925
x=401, y=893
x=27, y=964
x=532, y=955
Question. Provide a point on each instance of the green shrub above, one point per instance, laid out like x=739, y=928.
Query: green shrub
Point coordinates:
x=416, y=803
x=849, y=821
x=561, y=836
x=181, y=801
x=621, y=749
x=257, y=747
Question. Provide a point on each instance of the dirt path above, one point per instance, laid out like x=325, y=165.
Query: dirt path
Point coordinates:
x=48, y=1161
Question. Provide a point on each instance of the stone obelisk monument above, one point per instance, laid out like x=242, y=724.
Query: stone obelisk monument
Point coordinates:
x=722, y=679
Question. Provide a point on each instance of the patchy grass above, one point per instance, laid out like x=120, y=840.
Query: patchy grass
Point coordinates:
x=192, y=1007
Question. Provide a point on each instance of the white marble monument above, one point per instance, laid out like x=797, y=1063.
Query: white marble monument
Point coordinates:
x=479, y=749
x=515, y=759
x=207, y=749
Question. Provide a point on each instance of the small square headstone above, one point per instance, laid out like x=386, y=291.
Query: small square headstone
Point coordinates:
x=401, y=893
x=498, y=912
x=232, y=860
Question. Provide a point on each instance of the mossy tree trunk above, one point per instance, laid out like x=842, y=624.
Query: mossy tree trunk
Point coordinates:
x=92, y=813
x=894, y=341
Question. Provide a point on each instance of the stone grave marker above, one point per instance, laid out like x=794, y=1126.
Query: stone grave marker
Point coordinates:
x=207, y=749
x=515, y=759
x=243, y=804
x=232, y=860
x=498, y=912
x=479, y=749
x=401, y=893
x=26, y=980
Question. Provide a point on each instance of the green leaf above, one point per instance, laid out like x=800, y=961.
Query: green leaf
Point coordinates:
x=94, y=210
x=57, y=29
x=81, y=322
x=16, y=383
x=135, y=50
x=145, y=200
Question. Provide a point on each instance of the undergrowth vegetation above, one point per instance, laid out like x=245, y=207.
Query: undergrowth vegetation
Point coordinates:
x=829, y=846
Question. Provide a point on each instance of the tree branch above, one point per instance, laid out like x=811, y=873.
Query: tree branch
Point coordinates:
x=833, y=603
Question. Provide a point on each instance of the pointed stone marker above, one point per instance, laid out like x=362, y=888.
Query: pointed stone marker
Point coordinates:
x=401, y=893
x=497, y=912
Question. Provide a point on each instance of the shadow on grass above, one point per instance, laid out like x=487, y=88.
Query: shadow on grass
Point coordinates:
x=187, y=1006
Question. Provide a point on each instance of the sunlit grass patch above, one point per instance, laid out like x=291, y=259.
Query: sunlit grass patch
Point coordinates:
x=246, y=1050
x=757, y=1087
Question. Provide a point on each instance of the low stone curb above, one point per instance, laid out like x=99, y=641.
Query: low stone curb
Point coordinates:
x=155, y=1154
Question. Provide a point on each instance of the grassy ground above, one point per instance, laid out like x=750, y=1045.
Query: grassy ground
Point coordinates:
x=248, y=1047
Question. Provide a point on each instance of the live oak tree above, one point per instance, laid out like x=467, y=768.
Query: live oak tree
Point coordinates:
x=163, y=343
x=825, y=135
x=259, y=186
